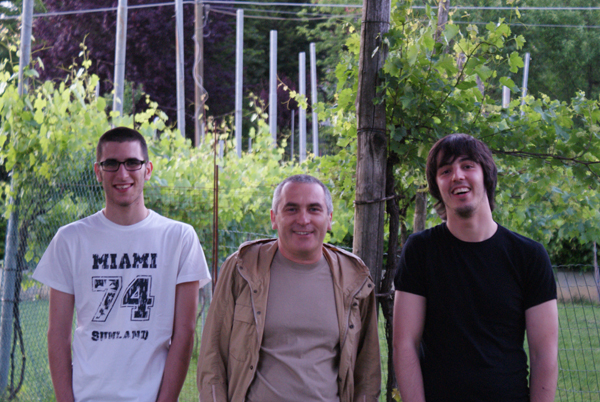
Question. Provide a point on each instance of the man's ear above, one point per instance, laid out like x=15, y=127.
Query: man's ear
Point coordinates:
x=149, y=168
x=273, y=222
x=97, y=172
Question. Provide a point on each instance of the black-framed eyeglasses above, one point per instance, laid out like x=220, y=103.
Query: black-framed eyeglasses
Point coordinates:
x=112, y=165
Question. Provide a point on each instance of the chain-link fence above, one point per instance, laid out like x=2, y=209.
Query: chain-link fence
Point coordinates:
x=42, y=208
x=579, y=334
x=39, y=209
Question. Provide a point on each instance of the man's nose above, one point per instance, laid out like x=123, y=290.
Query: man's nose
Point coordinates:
x=303, y=217
x=458, y=175
x=121, y=171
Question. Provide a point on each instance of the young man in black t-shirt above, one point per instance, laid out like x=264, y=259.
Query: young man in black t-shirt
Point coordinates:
x=467, y=292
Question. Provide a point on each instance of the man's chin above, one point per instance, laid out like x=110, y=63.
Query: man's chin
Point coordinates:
x=465, y=212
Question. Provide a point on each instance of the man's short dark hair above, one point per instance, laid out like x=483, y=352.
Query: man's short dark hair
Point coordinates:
x=451, y=147
x=121, y=134
x=301, y=178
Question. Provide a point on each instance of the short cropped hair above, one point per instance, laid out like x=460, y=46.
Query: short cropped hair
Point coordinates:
x=451, y=147
x=301, y=178
x=121, y=134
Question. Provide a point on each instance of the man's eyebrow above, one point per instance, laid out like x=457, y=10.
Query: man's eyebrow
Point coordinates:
x=295, y=204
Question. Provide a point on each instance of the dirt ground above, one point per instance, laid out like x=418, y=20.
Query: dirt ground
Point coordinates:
x=577, y=286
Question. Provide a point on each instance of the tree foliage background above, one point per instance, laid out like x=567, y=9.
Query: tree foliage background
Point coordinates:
x=150, y=65
x=47, y=143
x=546, y=150
x=563, y=38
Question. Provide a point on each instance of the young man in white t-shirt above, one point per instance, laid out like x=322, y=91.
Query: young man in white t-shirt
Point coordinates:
x=132, y=276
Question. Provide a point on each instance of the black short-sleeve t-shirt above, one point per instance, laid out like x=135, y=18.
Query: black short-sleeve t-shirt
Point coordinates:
x=476, y=295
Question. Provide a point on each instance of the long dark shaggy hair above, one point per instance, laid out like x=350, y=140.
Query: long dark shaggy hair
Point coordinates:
x=451, y=147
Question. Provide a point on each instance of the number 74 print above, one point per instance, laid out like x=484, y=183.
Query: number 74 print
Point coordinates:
x=137, y=296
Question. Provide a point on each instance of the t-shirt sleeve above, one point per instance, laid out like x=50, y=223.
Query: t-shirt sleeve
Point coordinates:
x=409, y=277
x=541, y=284
x=55, y=267
x=192, y=263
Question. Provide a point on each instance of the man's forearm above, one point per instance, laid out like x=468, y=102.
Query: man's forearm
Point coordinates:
x=542, y=337
x=61, y=371
x=176, y=367
x=60, y=321
x=409, y=375
x=409, y=321
x=182, y=342
x=543, y=379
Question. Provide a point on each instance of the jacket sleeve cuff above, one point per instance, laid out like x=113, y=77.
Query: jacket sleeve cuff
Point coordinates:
x=213, y=393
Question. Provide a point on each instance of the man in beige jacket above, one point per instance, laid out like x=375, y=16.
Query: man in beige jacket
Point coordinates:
x=292, y=319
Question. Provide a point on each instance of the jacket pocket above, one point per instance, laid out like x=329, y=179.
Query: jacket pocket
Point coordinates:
x=241, y=332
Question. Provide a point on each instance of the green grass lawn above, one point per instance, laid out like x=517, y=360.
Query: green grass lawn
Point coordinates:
x=578, y=356
x=37, y=385
x=579, y=352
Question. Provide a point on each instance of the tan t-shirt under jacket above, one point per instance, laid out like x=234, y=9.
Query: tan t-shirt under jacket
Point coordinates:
x=299, y=354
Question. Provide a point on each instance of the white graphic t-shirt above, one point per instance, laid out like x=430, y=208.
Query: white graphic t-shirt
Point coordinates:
x=123, y=279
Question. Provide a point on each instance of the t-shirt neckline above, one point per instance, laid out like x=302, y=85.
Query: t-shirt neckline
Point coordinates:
x=471, y=243
x=107, y=222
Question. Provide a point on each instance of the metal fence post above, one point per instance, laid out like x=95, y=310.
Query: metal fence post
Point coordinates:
x=239, y=79
x=120, y=48
x=302, y=114
x=525, y=79
x=273, y=88
x=7, y=286
x=313, y=103
x=180, y=76
x=9, y=272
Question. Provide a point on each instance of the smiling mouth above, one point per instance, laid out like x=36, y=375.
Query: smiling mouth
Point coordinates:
x=303, y=233
x=122, y=186
x=460, y=190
